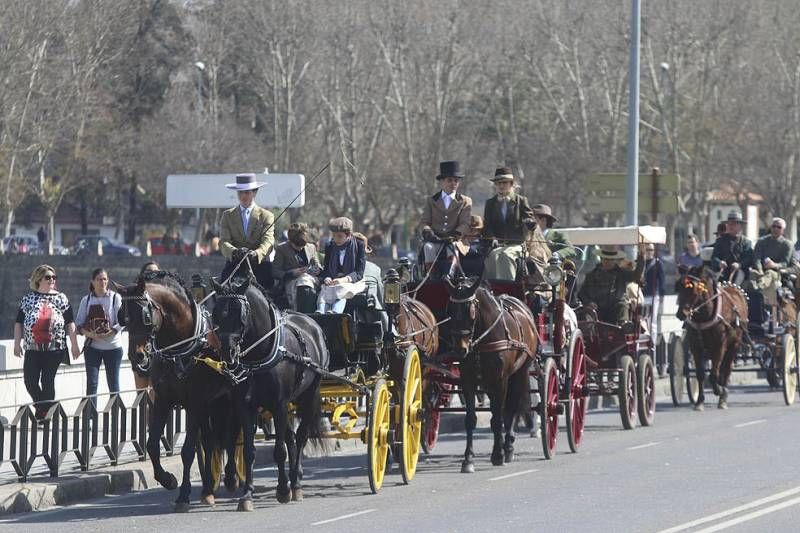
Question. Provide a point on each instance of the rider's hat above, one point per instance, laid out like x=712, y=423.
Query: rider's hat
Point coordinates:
x=544, y=211
x=502, y=174
x=449, y=169
x=735, y=216
x=611, y=253
x=341, y=224
x=245, y=182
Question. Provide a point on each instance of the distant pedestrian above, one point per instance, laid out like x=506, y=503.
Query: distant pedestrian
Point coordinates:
x=44, y=321
x=97, y=319
x=41, y=235
x=691, y=257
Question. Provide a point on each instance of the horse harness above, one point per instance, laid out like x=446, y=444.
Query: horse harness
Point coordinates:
x=505, y=304
x=694, y=282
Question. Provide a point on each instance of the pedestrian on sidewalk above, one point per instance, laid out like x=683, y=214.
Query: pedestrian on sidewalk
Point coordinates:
x=97, y=319
x=44, y=321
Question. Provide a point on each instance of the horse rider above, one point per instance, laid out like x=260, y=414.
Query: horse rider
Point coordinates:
x=773, y=253
x=247, y=230
x=297, y=265
x=556, y=240
x=507, y=217
x=605, y=287
x=733, y=252
x=446, y=216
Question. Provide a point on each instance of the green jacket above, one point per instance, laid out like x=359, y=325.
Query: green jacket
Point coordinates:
x=559, y=244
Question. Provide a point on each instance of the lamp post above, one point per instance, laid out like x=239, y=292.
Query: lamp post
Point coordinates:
x=632, y=181
x=201, y=67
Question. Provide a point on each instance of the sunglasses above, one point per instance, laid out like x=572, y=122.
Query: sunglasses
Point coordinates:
x=51, y=277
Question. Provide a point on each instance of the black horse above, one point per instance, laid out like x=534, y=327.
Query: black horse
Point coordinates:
x=495, y=339
x=167, y=329
x=281, y=352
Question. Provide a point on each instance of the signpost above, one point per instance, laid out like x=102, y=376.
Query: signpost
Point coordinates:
x=606, y=194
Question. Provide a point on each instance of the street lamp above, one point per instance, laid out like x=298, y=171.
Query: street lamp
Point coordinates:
x=664, y=80
x=201, y=67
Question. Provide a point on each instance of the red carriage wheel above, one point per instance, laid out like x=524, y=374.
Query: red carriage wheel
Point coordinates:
x=646, y=382
x=627, y=392
x=436, y=394
x=548, y=390
x=578, y=402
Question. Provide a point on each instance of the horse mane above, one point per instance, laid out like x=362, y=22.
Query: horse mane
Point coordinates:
x=168, y=279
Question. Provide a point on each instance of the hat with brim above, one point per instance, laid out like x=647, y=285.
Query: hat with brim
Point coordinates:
x=449, y=169
x=502, y=174
x=245, y=182
x=736, y=216
x=612, y=254
x=543, y=210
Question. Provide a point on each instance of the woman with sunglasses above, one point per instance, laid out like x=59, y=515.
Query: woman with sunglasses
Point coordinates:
x=44, y=321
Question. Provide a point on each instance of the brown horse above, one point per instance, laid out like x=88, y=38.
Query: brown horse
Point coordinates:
x=416, y=322
x=495, y=341
x=716, y=318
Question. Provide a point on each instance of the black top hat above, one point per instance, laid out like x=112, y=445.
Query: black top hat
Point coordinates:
x=449, y=169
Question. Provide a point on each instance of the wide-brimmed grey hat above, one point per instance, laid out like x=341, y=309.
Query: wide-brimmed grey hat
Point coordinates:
x=544, y=211
x=611, y=253
x=245, y=182
x=735, y=216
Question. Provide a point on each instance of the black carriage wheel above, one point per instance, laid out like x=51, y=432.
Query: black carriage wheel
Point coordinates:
x=676, y=363
x=646, y=387
x=690, y=374
x=627, y=392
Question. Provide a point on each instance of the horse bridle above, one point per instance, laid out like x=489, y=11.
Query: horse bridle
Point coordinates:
x=692, y=282
x=148, y=308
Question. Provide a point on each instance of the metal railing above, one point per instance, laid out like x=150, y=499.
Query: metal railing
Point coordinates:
x=59, y=435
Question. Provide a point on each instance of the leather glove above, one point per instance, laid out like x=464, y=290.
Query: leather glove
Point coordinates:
x=530, y=224
x=253, y=254
x=495, y=244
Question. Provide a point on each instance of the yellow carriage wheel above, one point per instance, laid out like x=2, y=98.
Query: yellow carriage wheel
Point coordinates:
x=789, y=369
x=410, y=421
x=378, y=435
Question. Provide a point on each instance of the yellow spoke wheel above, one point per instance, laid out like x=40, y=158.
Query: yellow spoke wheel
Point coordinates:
x=378, y=435
x=789, y=369
x=410, y=421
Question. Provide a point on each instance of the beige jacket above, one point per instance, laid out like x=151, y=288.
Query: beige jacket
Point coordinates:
x=260, y=232
x=442, y=221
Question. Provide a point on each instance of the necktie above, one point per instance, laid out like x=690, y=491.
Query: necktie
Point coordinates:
x=504, y=208
x=245, y=220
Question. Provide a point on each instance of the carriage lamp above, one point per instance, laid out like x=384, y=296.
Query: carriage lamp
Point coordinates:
x=553, y=274
x=405, y=269
x=391, y=288
x=198, y=287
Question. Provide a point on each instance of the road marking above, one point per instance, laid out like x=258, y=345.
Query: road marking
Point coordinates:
x=751, y=516
x=343, y=517
x=515, y=474
x=648, y=445
x=734, y=510
x=753, y=423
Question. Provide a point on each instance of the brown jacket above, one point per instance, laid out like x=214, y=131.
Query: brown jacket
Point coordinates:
x=260, y=232
x=441, y=220
x=286, y=260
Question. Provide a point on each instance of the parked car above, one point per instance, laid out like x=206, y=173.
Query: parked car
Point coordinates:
x=87, y=244
x=16, y=244
x=157, y=247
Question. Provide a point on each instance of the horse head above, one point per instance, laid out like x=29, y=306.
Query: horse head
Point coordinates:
x=231, y=317
x=462, y=308
x=694, y=289
x=141, y=316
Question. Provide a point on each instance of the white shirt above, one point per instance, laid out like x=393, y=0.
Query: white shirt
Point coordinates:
x=448, y=198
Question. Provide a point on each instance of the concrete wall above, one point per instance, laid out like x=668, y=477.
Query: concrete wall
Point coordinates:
x=74, y=273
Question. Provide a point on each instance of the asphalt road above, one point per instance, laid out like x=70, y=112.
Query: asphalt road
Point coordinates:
x=735, y=470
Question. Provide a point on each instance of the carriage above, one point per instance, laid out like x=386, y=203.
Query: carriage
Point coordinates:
x=772, y=350
x=558, y=370
x=373, y=389
x=619, y=357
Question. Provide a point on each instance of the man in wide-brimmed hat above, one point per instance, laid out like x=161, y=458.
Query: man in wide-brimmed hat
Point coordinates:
x=247, y=230
x=605, y=287
x=446, y=214
x=508, y=217
x=556, y=240
x=733, y=252
x=296, y=264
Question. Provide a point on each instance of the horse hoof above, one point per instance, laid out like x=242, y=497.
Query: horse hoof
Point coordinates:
x=231, y=483
x=467, y=468
x=497, y=460
x=181, y=507
x=699, y=407
x=168, y=481
x=283, y=497
x=245, y=505
x=297, y=495
x=209, y=500
x=722, y=405
x=536, y=434
x=509, y=457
